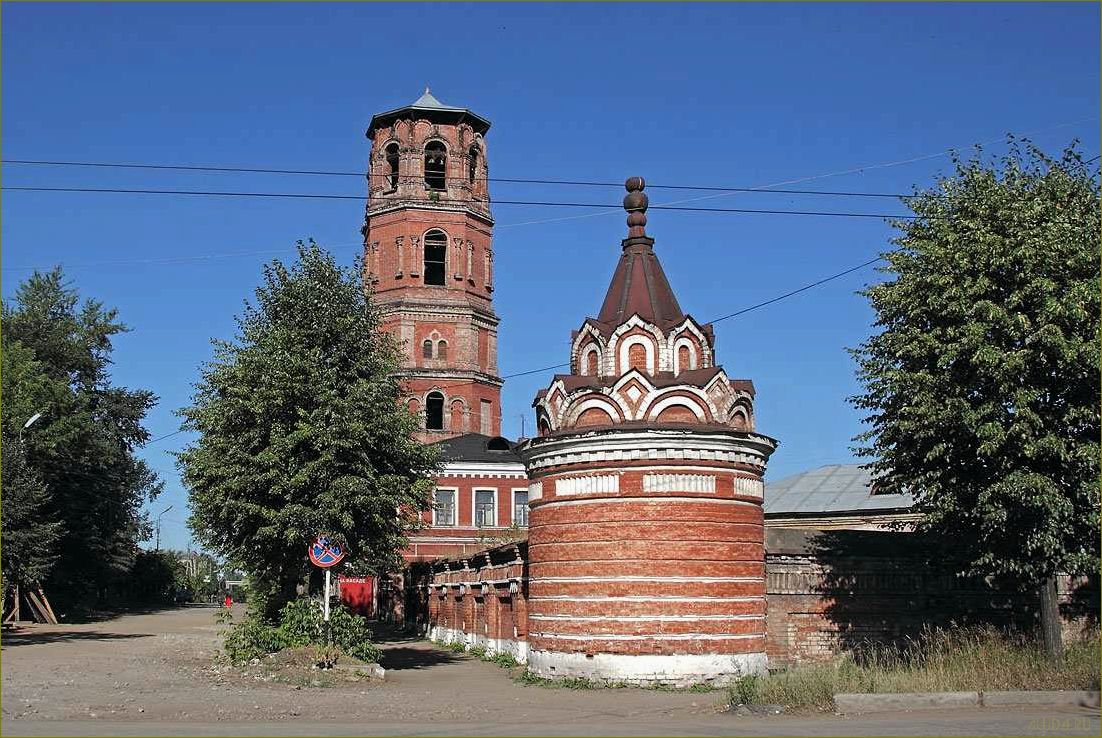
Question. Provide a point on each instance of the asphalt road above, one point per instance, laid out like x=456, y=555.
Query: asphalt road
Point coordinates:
x=155, y=674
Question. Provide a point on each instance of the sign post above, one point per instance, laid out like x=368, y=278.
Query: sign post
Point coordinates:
x=325, y=554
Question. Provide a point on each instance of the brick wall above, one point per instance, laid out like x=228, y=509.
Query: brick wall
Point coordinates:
x=481, y=600
x=826, y=591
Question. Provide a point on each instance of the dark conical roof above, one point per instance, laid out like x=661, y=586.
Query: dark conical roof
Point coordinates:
x=639, y=286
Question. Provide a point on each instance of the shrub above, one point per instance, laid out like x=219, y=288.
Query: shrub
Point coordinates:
x=301, y=624
x=252, y=638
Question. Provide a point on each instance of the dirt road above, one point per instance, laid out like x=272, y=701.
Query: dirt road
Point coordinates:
x=155, y=674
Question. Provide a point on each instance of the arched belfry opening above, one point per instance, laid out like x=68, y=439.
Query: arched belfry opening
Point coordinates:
x=392, y=159
x=436, y=165
x=436, y=257
x=434, y=411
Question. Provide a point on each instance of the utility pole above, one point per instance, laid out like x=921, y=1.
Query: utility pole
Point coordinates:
x=159, y=526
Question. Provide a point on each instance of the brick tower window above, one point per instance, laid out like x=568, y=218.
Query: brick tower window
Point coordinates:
x=436, y=165
x=434, y=411
x=637, y=357
x=436, y=252
x=391, y=152
x=472, y=164
x=442, y=350
x=426, y=349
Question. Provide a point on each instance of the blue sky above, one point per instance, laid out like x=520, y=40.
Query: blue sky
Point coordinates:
x=716, y=94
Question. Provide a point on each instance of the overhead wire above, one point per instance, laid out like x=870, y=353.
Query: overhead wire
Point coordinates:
x=501, y=180
x=529, y=203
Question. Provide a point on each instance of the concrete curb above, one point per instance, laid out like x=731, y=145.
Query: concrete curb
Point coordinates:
x=904, y=701
x=858, y=703
x=1054, y=698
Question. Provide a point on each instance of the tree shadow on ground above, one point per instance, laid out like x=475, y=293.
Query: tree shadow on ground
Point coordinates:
x=31, y=637
x=405, y=657
x=79, y=616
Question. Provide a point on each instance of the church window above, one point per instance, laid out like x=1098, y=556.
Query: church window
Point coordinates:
x=434, y=411
x=443, y=507
x=436, y=165
x=436, y=251
x=520, y=508
x=485, y=512
x=472, y=164
x=684, y=360
x=637, y=357
x=442, y=350
x=426, y=349
x=391, y=152
x=591, y=363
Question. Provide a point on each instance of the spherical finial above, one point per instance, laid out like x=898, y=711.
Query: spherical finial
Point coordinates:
x=635, y=202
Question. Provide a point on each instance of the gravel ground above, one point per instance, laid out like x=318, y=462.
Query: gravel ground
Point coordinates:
x=158, y=673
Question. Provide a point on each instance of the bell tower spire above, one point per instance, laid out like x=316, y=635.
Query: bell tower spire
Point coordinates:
x=428, y=258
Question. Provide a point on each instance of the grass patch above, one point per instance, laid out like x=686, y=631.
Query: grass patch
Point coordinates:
x=532, y=679
x=503, y=659
x=964, y=660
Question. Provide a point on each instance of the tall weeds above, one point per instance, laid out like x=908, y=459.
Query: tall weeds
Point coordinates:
x=942, y=660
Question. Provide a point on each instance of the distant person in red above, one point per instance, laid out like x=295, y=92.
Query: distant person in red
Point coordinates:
x=229, y=600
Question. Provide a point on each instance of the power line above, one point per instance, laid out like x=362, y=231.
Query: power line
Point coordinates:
x=806, y=287
x=529, y=203
x=161, y=438
x=504, y=180
x=743, y=311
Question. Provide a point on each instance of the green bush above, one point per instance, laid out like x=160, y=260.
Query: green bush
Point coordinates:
x=301, y=624
x=252, y=638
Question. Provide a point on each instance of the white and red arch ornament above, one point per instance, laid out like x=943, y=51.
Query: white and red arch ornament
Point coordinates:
x=646, y=537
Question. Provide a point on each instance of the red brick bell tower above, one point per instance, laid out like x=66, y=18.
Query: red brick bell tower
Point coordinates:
x=428, y=255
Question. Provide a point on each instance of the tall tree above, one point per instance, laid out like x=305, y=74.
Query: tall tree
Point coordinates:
x=302, y=431
x=982, y=385
x=57, y=358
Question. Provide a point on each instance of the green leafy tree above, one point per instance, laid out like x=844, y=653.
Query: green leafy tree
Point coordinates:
x=56, y=361
x=982, y=385
x=29, y=544
x=302, y=431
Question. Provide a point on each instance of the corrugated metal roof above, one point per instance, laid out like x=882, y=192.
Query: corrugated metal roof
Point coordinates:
x=833, y=488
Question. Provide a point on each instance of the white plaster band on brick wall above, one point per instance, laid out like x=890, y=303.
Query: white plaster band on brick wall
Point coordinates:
x=749, y=487
x=646, y=498
x=639, y=578
x=644, y=618
x=679, y=483
x=588, y=485
x=535, y=491
x=645, y=636
x=642, y=598
x=618, y=446
x=679, y=670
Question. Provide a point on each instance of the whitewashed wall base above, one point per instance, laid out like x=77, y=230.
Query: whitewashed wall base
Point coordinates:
x=648, y=669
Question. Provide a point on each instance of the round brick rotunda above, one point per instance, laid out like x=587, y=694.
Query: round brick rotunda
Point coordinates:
x=646, y=539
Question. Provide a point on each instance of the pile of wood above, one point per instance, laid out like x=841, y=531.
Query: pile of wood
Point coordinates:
x=34, y=600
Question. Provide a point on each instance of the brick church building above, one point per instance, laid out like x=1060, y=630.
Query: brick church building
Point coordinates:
x=633, y=538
